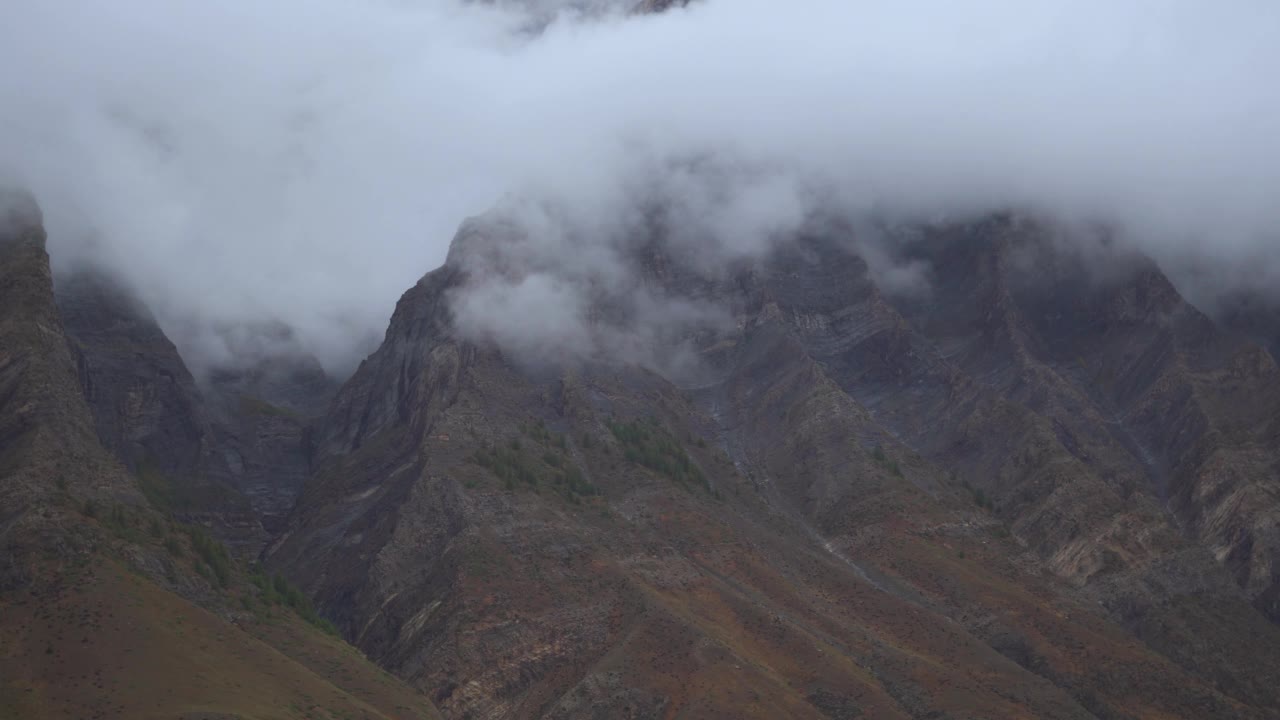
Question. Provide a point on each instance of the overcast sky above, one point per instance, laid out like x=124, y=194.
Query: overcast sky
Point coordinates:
x=308, y=160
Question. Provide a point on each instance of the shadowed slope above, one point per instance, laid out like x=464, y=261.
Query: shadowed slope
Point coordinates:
x=107, y=607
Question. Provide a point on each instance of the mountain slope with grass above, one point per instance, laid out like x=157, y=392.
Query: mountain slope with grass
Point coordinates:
x=109, y=606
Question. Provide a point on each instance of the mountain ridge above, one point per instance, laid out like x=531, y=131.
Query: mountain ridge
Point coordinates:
x=422, y=391
x=1001, y=496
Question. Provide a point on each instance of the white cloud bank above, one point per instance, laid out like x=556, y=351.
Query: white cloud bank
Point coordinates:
x=307, y=160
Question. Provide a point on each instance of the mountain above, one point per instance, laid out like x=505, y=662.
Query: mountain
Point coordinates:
x=109, y=605
x=231, y=451
x=1031, y=492
x=1033, y=481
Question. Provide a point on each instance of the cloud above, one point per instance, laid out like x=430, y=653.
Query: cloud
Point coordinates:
x=305, y=161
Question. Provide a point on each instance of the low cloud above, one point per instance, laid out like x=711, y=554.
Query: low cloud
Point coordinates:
x=304, y=162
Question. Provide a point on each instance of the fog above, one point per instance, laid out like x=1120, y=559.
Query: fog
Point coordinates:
x=246, y=163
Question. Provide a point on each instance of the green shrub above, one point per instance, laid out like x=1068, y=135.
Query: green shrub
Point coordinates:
x=155, y=487
x=981, y=499
x=117, y=520
x=212, y=553
x=508, y=465
x=648, y=445
x=281, y=591
x=173, y=546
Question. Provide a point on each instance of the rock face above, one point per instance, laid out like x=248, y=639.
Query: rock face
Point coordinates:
x=1020, y=487
x=107, y=606
x=1032, y=492
x=263, y=419
x=231, y=454
x=47, y=435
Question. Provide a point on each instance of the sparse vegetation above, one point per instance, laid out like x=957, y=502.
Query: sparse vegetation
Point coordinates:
x=648, y=445
x=276, y=590
x=511, y=466
x=980, y=497
x=117, y=520
x=573, y=484
x=886, y=462
x=155, y=487
x=514, y=466
x=255, y=406
x=212, y=553
x=173, y=546
x=539, y=432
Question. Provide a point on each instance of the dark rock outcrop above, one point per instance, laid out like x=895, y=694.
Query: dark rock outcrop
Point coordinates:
x=231, y=453
x=47, y=438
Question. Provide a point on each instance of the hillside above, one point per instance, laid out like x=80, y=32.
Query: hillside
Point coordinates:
x=109, y=607
x=862, y=508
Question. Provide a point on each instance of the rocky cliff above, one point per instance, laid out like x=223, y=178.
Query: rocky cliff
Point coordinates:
x=48, y=446
x=231, y=451
x=1024, y=493
x=1018, y=487
x=110, y=606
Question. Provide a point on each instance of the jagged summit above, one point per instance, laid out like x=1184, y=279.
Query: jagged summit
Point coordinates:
x=1062, y=427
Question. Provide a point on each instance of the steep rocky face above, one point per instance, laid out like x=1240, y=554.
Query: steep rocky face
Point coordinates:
x=231, y=454
x=986, y=378
x=294, y=382
x=109, y=608
x=264, y=416
x=1254, y=313
x=1140, y=386
x=47, y=439
x=853, y=513
x=148, y=410
x=145, y=403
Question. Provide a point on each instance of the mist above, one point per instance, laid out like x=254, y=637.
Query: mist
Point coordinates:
x=244, y=163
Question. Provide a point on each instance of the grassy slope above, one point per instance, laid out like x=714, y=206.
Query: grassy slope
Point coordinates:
x=98, y=641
